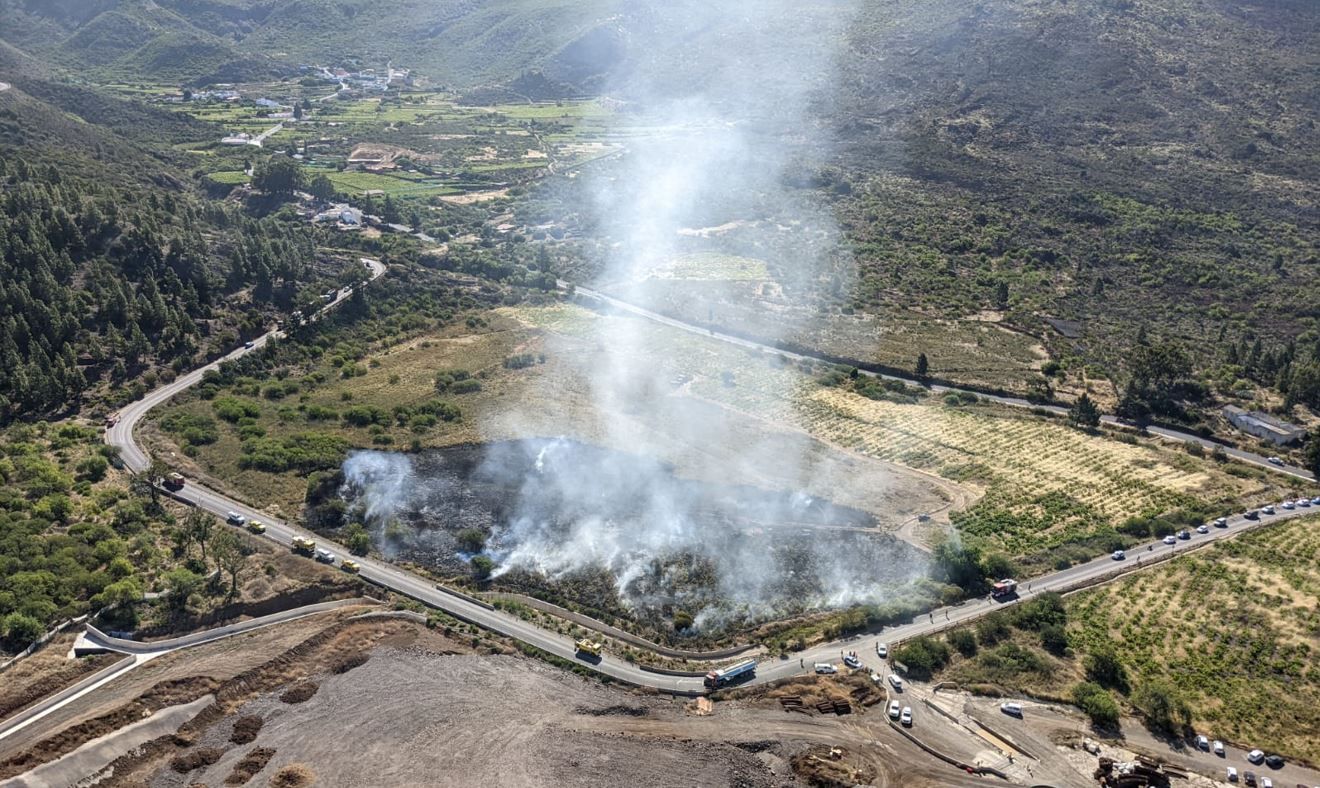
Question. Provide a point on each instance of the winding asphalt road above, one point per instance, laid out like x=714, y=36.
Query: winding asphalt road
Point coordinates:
x=465, y=608
x=1016, y=402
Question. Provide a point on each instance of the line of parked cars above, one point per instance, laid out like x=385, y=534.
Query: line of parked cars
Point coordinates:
x=1255, y=757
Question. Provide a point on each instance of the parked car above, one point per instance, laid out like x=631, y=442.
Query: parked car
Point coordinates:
x=894, y=709
x=1011, y=709
x=1303, y=501
x=1249, y=778
x=1118, y=555
x=1251, y=514
x=1256, y=756
x=895, y=682
x=1267, y=510
x=1287, y=505
x=1202, y=529
x=256, y=527
x=852, y=661
x=1315, y=501
x=825, y=668
x=882, y=650
x=1184, y=534
x=1202, y=743
x=1232, y=774
x=1217, y=747
x=1266, y=782
x=234, y=518
x=249, y=344
x=1221, y=522
x=350, y=566
x=1170, y=539
x=324, y=556
x=1274, y=461
x=1274, y=761
x=875, y=678
x=906, y=716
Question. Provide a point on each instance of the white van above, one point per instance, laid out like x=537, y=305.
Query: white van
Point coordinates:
x=825, y=668
x=895, y=682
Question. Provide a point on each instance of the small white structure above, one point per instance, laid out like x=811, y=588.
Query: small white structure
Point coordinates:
x=1263, y=426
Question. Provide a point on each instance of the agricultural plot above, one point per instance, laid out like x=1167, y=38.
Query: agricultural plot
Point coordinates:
x=1045, y=483
x=1234, y=629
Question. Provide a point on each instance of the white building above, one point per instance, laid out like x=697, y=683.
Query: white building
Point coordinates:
x=1263, y=426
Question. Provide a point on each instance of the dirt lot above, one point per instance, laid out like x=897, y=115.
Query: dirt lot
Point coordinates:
x=389, y=702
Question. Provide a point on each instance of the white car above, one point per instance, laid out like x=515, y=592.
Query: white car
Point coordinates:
x=1011, y=709
x=234, y=518
x=1266, y=782
x=1303, y=501
x=1287, y=505
x=894, y=709
x=1203, y=529
x=1217, y=747
x=1202, y=743
x=1315, y=501
x=825, y=668
x=1274, y=461
x=882, y=650
x=1171, y=539
x=1256, y=756
x=1222, y=522
x=1118, y=555
x=906, y=716
x=875, y=677
x=852, y=661
x=1232, y=774
x=1267, y=509
x=895, y=682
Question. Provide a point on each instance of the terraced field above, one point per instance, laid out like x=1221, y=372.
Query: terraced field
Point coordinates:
x=1235, y=629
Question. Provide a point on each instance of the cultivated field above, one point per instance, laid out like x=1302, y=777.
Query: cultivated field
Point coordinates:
x=1235, y=629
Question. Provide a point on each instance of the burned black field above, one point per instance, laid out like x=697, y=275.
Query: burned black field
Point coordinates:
x=619, y=534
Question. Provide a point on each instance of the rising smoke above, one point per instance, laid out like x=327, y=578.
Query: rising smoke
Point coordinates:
x=729, y=91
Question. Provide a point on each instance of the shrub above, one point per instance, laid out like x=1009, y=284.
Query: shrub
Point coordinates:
x=471, y=540
x=1096, y=702
x=1054, y=639
x=992, y=629
x=482, y=566
x=357, y=540
x=232, y=409
x=365, y=415
x=963, y=641
x=195, y=429
x=20, y=630
x=1103, y=667
x=1163, y=709
x=310, y=451
x=923, y=656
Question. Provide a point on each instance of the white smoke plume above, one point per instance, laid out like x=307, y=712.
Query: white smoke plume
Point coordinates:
x=730, y=90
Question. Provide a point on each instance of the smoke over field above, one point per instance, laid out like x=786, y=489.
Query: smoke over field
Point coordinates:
x=735, y=147
x=555, y=507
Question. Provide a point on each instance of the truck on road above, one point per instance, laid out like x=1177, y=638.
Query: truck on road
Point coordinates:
x=173, y=482
x=723, y=677
x=302, y=544
x=589, y=647
x=1004, y=589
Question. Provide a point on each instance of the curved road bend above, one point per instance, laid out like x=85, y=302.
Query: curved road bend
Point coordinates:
x=1016, y=402
x=416, y=587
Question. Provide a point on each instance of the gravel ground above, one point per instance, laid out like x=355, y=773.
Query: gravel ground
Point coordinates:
x=408, y=717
